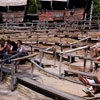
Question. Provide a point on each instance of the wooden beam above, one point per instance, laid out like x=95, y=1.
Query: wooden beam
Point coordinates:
x=80, y=40
x=81, y=73
x=21, y=58
x=81, y=57
x=73, y=50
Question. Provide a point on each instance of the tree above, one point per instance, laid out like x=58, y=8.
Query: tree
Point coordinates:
x=96, y=8
x=34, y=6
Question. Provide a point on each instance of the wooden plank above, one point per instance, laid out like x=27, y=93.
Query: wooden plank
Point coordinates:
x=80, y=40
x=46, y=90
x=6, y=70
x=97, y=62
x=81, y=73
x=21, y=58
x=81, y=57
x=73, y=50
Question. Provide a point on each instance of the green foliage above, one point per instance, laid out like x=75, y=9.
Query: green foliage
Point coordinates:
x=96, y=8
x=34, y=6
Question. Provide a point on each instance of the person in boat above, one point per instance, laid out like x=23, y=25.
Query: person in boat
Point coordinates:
x=91, y=90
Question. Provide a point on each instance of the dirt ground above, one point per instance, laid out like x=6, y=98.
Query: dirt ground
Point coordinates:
x=62, y=85
x=6, y=94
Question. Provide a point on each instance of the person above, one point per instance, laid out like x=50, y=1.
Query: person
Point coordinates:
x=8, y=50
x=2, y=47
x=96, y=49
x=14, y=50
x=90, y=91
x=22, y=51
x=9, y=47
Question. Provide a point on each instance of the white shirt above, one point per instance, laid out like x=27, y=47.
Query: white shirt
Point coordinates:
x=22, y=49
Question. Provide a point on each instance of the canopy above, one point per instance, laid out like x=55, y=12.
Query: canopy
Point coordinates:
x=13, y=2
x=55, y=0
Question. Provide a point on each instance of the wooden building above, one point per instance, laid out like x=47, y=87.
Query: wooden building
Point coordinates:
x=12, y=10
x=54, y=10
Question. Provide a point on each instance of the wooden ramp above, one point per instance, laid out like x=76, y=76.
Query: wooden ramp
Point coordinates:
x=46, y=90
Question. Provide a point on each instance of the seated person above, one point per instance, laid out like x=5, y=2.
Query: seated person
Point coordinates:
x=14, y=50
x=87, y=81
x=8, y=49
x=2, y=48
x=95, y=51
x=22, y=50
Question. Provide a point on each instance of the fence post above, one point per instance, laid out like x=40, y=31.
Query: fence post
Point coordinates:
x=61, y=56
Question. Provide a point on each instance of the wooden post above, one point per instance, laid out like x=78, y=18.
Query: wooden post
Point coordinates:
x=1, y=73
x=60, y=41
x=12, y=75
x=41, y=57
x=47, y=37
x=61, y=56
x=31, y=34
x=32, y=70
x=26, y=9
x=31, y=48
x=16, y=67
x=37, y=41
x=91, y=62
x=86, y=52
x=55, y=55
x=70, y=55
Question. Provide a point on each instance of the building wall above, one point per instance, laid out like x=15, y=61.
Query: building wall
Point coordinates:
x=13, y=16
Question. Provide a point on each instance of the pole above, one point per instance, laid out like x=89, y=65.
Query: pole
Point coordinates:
x=91, y=13
x=8, y=13
x=51, y=5
x=26, y=10
x=68, y=4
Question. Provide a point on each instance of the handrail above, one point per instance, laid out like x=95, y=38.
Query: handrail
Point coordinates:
x=80, y=40
x=42, y=48
x=9, y=58
x=22, y=58
x=61, y=77
x=81, y=73
x=73, y=50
